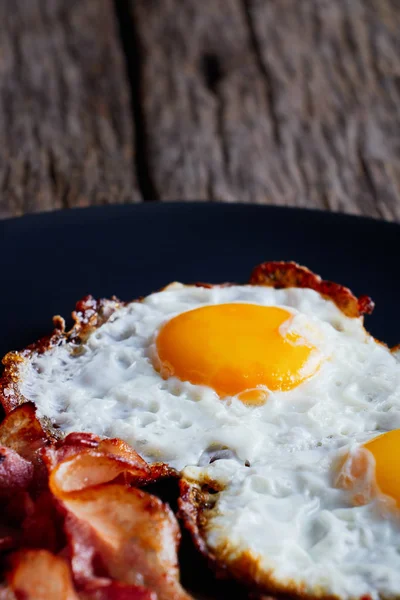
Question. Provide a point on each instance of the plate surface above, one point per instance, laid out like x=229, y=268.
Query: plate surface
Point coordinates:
x=52, y=260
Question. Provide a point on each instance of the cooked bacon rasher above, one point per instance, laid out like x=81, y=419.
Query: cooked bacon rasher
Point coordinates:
x=74, y=524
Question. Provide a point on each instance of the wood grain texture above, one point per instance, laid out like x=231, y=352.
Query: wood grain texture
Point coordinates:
x=65, y=122
x=335, y=71
x=273, y=101
x=265, y=101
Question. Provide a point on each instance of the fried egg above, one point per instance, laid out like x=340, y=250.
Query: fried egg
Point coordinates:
x=265, y=395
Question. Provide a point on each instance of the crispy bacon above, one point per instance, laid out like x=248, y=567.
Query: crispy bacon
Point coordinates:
x=84, y=460
x=27, y=515
x=13, y=512
x=8, y=537
x=42, y=526
x=116, y=541
x=125, y=534
x=22, y=431
x=39, y=575
x=6, y=593
x=114, y=530
x=290, y=274
x=16, y=473
x=113, y=590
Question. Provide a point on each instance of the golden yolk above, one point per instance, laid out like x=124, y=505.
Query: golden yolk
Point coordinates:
x=235, y=348
x=373, y=469
x=385, y=449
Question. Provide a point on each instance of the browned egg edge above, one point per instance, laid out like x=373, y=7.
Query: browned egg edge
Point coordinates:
x=195, y=502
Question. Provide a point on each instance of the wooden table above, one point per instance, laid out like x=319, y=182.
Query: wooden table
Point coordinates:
x=290, y=102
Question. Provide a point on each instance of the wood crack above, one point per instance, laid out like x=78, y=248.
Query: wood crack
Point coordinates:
x=266, y=73
x=222, y=137
x=64, y=107
x=213, y=74
x=132, y=54
x=368, y=178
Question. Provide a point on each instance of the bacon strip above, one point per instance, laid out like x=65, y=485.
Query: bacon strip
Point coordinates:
x=116, y=541
x=84, y=460
x=16, y=473
x=27, y=512
x=114, y=530
x=126, y=534
x=113, y=590
x=39, y=575
x=22, y=431
x=6, y=593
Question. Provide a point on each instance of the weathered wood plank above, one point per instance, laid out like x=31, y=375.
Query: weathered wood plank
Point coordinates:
x=273, y=101
x=65, y=121
x=335, y=71
x=210, y=134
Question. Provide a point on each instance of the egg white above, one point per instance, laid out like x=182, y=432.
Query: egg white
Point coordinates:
x=284, y=507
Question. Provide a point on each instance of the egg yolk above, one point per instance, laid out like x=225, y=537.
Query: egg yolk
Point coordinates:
x=385, y=449
x=373, y=469
x=235, y=349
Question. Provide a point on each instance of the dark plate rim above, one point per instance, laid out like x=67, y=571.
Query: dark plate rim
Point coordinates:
x=151, y=206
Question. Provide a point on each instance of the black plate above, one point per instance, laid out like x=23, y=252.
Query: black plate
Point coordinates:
x=52, y=260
